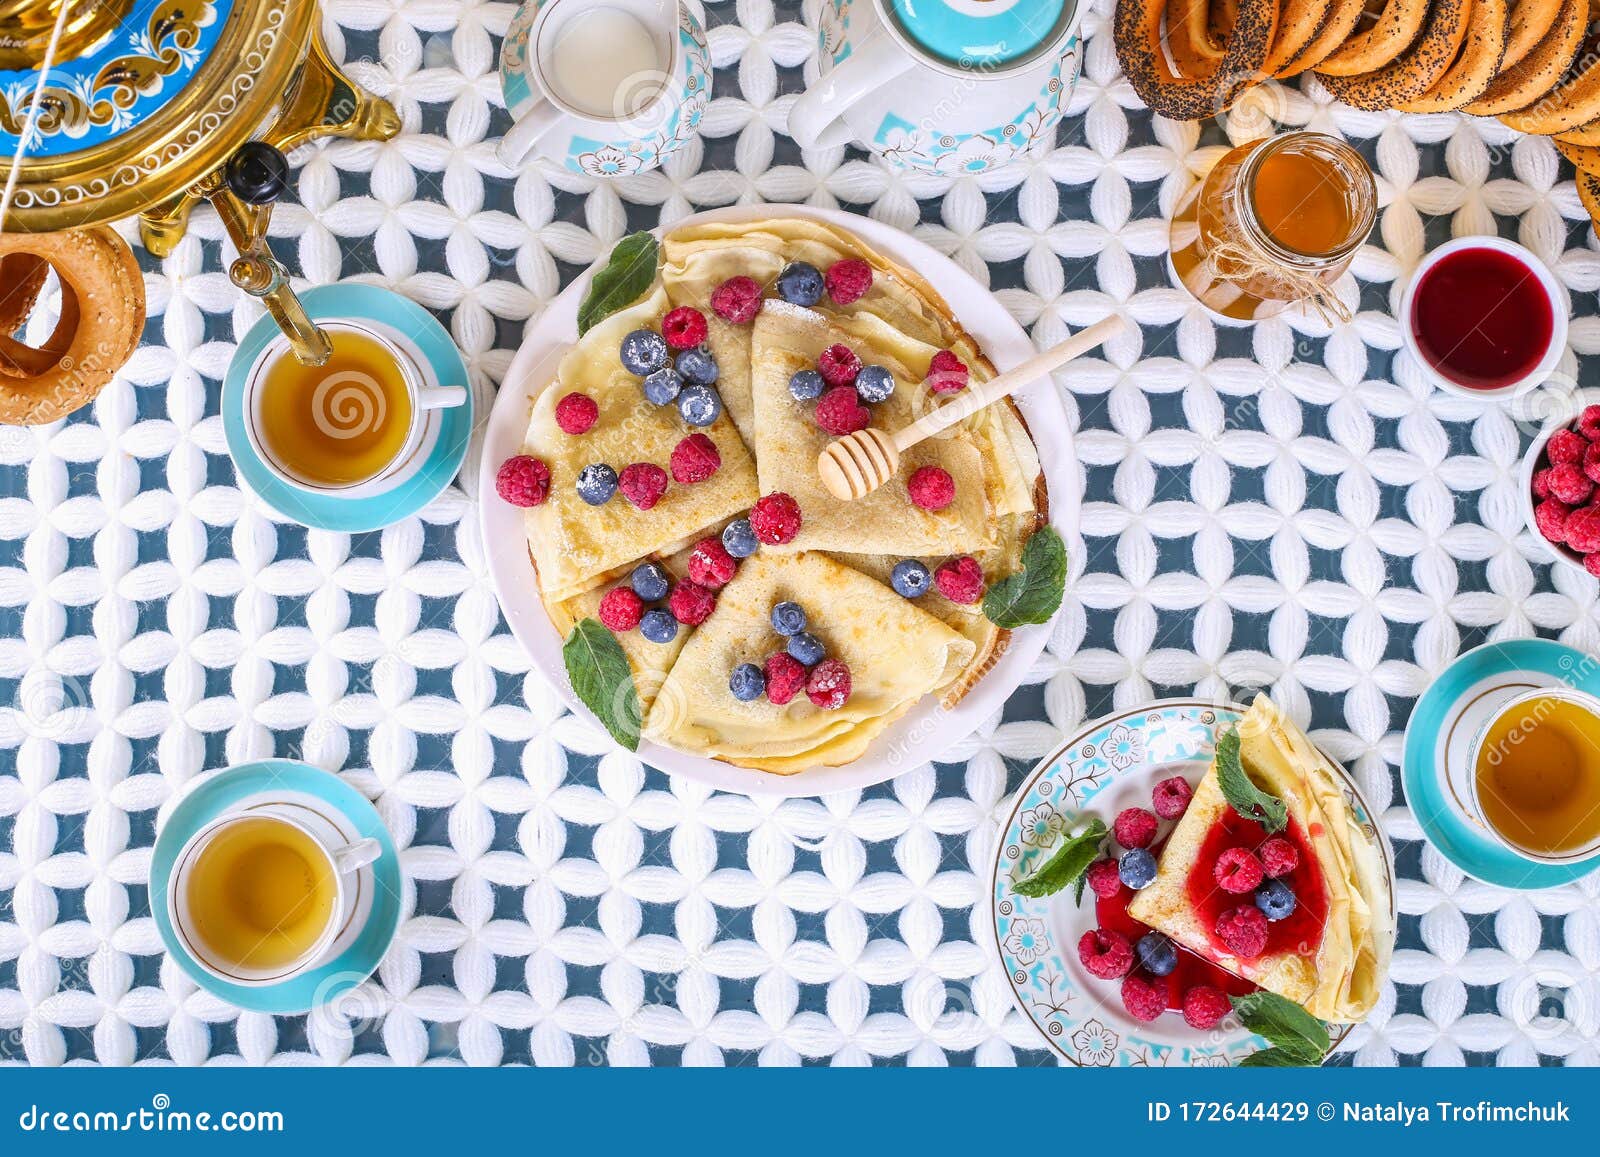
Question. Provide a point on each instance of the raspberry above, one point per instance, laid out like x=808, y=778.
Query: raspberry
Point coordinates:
x=691, y=604
x=1171, y=797
x=1134, y=828
x=737, y=299
x=931, y=488
x=1551, y=516
x=710, y=564
x=1143, y=1000
x=847, y=280
x=1589, y=423
x=643, y=484
x=838, y=365
x=684, y=327
x=1204, y=1006
x=840, y=412
x=695, y=459
x=621, y=609
x=1570, y=484
x=1591, y=563
x=576, y=412
x=775, y=518
x=828, y=685
x=1591, y=468
x=960, y=580
x=523, y=481
x=1541, y=478
x=1238, y=870
x=1243, y=930
x=1103, y=878
x=1583, y=529
x=1565, y=446
x=786, y=677
x=947, y=373
x=1278, y=857
x=1105, y=954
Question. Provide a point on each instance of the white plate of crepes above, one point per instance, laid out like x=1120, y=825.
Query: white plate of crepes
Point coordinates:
x=1195, y=885
x=662, y=544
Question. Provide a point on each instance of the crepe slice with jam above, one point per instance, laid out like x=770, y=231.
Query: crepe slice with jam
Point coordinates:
x=1331, y=952
x=896, y=653
x=576, y=546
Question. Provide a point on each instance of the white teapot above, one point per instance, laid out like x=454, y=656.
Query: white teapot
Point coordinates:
x=947, y=86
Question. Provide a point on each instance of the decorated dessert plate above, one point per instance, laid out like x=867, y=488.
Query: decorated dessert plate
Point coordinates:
x=1106, y=767
x=944, y=668
x=1436, y=768
x=361, y=943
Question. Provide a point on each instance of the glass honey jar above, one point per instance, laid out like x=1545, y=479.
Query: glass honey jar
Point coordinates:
x=1275, y=223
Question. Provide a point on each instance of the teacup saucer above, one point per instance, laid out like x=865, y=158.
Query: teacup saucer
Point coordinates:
x=361, y=944
x=352, y=515
x=1434, y=768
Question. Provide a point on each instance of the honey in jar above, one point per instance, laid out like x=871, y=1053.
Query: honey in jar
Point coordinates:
x=1274, y=223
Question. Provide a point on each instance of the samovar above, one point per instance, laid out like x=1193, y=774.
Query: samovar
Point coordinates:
x=152, y=105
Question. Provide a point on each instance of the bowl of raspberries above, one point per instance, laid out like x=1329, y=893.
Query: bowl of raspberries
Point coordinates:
x=1561, y=482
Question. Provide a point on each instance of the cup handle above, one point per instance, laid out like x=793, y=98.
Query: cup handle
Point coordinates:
x=357, y=855
x=440, y=397
x=815, y=119
x=523, y=137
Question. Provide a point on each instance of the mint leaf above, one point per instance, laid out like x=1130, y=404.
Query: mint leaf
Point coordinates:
x=1033, y=594
x=1066, y=865
x=1240, y=792
x=1286, y=1026
x=1275, y=1059
x=622, y=281
x=601, y=676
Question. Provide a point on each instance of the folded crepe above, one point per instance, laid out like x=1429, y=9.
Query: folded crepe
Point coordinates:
x=900, y=308
x=896, y=652
x=1332, y=954
x=575, y=546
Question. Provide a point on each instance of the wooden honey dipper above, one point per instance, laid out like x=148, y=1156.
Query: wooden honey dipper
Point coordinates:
x=857, y=464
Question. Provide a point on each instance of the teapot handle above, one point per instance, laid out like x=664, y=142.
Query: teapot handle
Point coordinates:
x=815, y=119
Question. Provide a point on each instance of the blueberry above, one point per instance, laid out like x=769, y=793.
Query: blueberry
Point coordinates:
x=806, y=386
x=747, y=682
x=643, y=351
x=650, y=581
x=874, y=384
x=800, y=283
x=663, y=385
x=1137, y=868
x=597, y=482
x=658, y=626
x=699, y=405
x=788, y=618
x=1157, y=954
x=1275, y=899
x=738, y=539
x=806, y=649
x=697, y=365
x=910, y=579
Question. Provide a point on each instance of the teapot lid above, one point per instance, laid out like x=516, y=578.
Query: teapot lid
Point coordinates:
x=982, y=33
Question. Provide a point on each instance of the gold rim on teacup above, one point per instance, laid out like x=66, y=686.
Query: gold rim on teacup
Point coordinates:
x=1475, y=749
x=342, y=857
x=427, y=400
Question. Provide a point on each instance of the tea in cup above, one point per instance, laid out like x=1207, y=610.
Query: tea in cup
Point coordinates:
x=359, y=424
x=259, y=896
x=1536, y=775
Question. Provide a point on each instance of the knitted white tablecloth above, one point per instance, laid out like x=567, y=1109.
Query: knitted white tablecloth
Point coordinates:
x=1274, y=506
